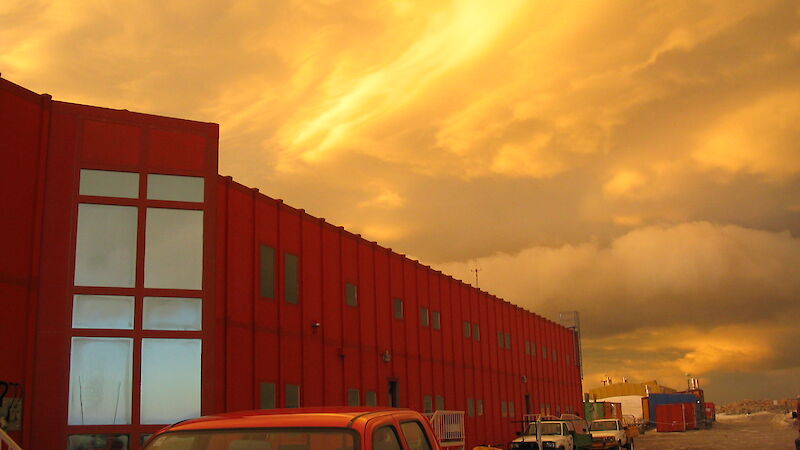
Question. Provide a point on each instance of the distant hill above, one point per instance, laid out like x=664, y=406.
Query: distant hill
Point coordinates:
x=752, y=406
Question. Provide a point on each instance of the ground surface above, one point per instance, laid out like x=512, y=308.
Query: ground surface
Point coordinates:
x=762, y=430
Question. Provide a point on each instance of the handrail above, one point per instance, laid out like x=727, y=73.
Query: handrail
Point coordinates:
x=448, y=426
x=7, y=442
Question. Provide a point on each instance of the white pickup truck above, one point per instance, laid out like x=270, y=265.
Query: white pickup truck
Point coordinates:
x=614, y=432
x=555, y=434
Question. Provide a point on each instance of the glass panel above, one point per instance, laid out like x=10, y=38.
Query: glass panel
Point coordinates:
x=511, y=409
x=500, y=339
x=527, y=348
x=555, y=355
x=470, y=407
x=508, y=340
x=351, y=294
x=503, y=408
x=427, y=404
x=440, y=402
x=476, y=332
x=480, y=407
x=98, y=441
x=267, y=271
x=105, y=254
x=170, y=380
x=353, y=397
x=102, y=311
x=371, y=398
x=423, y=317
x=291, y=283
x=100, y=381
x=544, y=352
x=174, y=249
x=437, y=322
x=252, y=438
x=267, y=395
x=533, y=348
x=292, y=396
x=467, y=329
x=385, y=438
x=175, y=187
x=171, y=313
x=415, y=437
x=398, y=308
x=106, y=183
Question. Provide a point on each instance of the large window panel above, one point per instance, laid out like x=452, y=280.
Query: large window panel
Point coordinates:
x=170, y=380
x=103, y=311
x=174, y=249
x=175, y=187
x=105, y=183
x=105, y=253
x=291, y=278
x=267, y=271
x=172, y=313
x=100, y=381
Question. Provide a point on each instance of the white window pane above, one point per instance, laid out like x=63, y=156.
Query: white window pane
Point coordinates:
x=174, y=249
x=102, y=311
x=106, y=183
x=100, y=381
x=170, y=380
x=105, y=254
x=174, y=187
x=170, y=313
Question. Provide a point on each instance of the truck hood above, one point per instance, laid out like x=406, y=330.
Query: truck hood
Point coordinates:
x=606, y=433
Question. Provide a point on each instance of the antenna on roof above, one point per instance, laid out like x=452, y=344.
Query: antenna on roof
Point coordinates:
x=476, y=270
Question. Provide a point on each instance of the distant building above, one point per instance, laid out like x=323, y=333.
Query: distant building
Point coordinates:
x=140, y=287
x=629, y=394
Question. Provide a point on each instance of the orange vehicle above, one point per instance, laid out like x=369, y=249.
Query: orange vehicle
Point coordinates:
x=334, y=428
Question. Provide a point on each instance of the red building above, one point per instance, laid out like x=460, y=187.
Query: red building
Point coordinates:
x=140, y=287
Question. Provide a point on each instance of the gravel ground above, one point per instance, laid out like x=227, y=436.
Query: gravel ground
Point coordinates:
x=755, y=431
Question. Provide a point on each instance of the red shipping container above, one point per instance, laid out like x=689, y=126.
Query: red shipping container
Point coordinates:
x=689, y=413
x=670, y=417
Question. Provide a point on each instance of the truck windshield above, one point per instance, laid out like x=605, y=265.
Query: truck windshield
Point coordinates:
x=603, y=426
x=257, y=439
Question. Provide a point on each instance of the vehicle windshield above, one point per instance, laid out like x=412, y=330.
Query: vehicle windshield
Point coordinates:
x=603, y=426
x=257, y=439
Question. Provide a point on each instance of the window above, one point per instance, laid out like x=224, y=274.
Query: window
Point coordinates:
x=424, y=320
x=370, y=398
x=353, y=397
x=174, y=394
x=427, y=404
x=172, y=313
x=555, y=355
x=533, y=348
x=527, y=347
x=440, y=403
x=470, y=407
x=173, y=256
x=102, y=311
x=104, y=183
x=511, y=412
x=503, y=408
x=476, y=332
x=291, y=279
x=266, y=271
x=175, y=188
x=544, y=352
x=385, y=438
x=105, y=253
x=398, y=308
x=292, y=396
x=568, y=360
x=508, y=340
x=415, y=437
x=267, y=395
x=467, y=329
x=500, y=339
x=99, y=365
x=480, y=407
x=437, y=320
x=351, y=294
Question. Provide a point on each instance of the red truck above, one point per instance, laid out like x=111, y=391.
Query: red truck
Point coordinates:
x=334, y=428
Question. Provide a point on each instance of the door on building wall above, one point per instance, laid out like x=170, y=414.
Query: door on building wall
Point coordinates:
x=394, y=400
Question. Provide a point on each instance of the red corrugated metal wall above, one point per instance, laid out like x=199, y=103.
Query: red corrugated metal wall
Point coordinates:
x=272, y=340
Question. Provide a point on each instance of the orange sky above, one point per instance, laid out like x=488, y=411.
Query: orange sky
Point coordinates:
x=636, y=161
